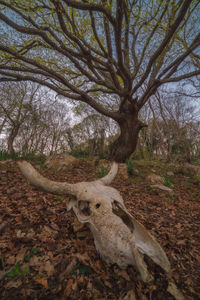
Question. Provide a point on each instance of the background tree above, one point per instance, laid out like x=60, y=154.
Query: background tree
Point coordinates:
x=16, y=102
x=173, y=126
x=112, y=55
x=32, y=120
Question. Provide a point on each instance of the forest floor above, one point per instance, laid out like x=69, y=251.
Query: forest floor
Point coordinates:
x=47, y=260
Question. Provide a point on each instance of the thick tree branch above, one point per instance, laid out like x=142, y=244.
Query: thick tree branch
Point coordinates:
x=90, y=7
x=164, y=43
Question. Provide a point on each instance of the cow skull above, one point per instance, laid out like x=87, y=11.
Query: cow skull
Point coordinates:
x=118, y=236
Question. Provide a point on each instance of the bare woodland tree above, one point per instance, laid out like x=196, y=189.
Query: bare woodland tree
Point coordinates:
x=100, y=51
x=173, y=126
x=16, y=102
x=31, y=119
x=92, y=133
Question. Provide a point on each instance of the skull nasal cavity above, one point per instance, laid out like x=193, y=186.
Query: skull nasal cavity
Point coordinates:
x=98, y=205
x=84, y=208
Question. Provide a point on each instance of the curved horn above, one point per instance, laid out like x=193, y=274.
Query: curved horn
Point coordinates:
x=111, y=175
x=58, y=188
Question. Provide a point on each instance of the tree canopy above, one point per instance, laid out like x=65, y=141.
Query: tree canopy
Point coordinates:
x=112, y=55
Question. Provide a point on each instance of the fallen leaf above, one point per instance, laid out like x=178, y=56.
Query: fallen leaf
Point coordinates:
x=11, y=260
x=20, y=256
x=42, y=281
x=13, y=284
x=68, y=270
x=108, y=284
x=34, y=261
x=180, y=242
x=198, y=258
x=83, y=258
x=20, y=234
x=49, y=268
x=130, y=295
x=98, y=265
x=124, y=274
x=68, y=288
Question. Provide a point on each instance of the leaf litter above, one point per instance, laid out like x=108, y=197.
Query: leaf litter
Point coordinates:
x=39, y=246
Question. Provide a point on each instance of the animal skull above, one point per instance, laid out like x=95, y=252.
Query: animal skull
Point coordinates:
x=118, y=236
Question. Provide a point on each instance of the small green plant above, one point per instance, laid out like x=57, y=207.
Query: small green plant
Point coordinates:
x=150, y=191
x=115, y=276
x=188, y=185
x=4, y=155
x=129, y=164
x=11, y=169
x=168, y=181
x=81, y=269
x=35, y=250
x=195, y=196
x=101, y=172
x=174, y=197
x=58, y=198
x=32, y=158
x=17, y=271
x=196, y=180
x=27, y=258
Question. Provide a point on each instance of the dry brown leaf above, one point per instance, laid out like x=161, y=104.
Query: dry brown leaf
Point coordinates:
x=49, y=268
x=11, y=260
x=47, y=229
x=68, y=288
x=20, y=256
x=75, y=286
x=81, y=279
x=181, y=242
x=130, y=295
x=42, y=281
x=13, y=284
x=198, y=258
x=54, y=226
x=34, y=261
x=89, y=286
x=83, y=258
x=108, y=284
x=98, y=265
x=20, y=234
x=68, y=270
x=3, y=245
x=124, y=274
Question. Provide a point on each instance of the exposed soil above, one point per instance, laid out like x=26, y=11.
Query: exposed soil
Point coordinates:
x=51, y=262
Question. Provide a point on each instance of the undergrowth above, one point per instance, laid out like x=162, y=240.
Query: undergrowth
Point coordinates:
x=31, y=157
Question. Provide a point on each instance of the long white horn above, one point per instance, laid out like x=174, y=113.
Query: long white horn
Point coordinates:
x=58, y=188
x=111, y=175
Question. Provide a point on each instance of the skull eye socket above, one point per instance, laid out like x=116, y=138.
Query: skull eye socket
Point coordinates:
x=98, y=205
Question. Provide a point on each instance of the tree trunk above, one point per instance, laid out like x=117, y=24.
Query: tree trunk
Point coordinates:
x=12, y=136
x=126, y=143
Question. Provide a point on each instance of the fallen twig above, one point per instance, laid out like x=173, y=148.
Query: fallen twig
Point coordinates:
x=2, y=276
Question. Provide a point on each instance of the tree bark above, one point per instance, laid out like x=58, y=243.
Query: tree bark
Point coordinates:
x=126, y=143
x=11, y=138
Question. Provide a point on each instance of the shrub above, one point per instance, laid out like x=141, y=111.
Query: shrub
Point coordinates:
x=129, y=164
x=4, y=155
x=102, y=171
x=31, y=157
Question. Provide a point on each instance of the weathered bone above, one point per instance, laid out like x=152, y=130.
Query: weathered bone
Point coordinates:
x=118, y=236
